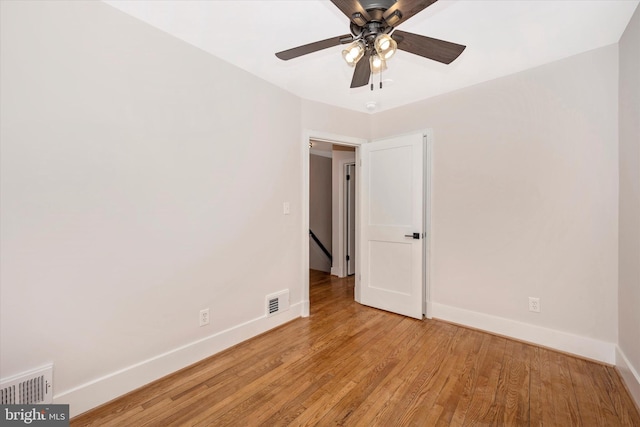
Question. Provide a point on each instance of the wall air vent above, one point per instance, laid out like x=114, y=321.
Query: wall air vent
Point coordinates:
x=277, y=302
x=28, y=388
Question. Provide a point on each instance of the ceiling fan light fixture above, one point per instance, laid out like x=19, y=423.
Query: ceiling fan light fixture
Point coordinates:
x=385, y=46
x=370, y=45
x=353, y=53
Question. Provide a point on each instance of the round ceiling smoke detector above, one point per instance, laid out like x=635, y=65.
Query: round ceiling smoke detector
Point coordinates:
x=371, y=105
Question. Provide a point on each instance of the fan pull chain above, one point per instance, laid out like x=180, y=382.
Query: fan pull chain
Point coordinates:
x=372, y=77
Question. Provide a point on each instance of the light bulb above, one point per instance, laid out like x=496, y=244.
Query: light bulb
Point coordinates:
x=353, y=53
x=377, y=64
x=347, y=57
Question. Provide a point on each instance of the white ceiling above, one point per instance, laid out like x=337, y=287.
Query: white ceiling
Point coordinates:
x=502, y=37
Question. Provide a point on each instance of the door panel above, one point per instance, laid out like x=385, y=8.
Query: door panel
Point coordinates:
x=390, y=267
x=392, y=183
x=388, y=174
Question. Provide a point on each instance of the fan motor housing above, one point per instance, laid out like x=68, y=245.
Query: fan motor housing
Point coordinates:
x=368, y=5
x=372, y=29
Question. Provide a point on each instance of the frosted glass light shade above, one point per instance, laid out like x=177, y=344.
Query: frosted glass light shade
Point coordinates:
x=385, y=46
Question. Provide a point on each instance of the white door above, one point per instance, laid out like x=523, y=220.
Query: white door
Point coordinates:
x=392, y=184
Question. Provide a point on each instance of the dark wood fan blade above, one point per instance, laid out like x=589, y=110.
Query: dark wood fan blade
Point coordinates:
x=362, y=72
x=438, y=50
x=407, y=9
x=311, y=47
x=349, y=8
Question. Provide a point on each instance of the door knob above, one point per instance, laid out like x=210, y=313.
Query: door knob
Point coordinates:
x=414, y=235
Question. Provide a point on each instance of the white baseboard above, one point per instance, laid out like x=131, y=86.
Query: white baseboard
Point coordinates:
x=101, y=390
x=575, y=344
x=629, y=375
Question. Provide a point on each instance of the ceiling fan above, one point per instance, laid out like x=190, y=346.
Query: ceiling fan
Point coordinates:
x=374, y=39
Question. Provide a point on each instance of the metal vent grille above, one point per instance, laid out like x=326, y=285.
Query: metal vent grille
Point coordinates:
x=29, y=388
x=277, y=302
x=273, y=305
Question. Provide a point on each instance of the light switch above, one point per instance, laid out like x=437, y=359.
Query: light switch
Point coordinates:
x=286, y=208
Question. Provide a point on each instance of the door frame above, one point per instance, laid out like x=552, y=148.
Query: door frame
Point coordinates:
x=313, y=135
x=346, y=199
x=339, y=267
x=427, y=241
x=308, y=136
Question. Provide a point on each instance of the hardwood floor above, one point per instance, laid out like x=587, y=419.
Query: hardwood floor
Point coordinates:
x=352, y=365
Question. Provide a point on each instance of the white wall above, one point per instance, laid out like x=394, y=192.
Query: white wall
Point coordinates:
x=525, y=184
x=338, y=122
x=140, y=176
x=629, y=227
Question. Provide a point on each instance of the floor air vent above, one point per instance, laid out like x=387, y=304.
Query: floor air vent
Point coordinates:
x=277, y=302
x=29, y=388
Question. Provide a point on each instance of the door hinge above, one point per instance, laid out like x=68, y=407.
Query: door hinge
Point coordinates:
x=348, y=258
x=348, y=177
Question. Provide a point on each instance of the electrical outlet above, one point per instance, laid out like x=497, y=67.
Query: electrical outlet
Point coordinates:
x=204, y=317
x=534, y=304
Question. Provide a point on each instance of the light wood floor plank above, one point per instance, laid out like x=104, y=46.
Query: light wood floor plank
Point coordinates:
x=455, y=398
x=467, y=392
x=482, y=409
x=347, y=364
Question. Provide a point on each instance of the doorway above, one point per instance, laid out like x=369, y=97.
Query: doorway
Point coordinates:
x=332, y=208
x=341, y=143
